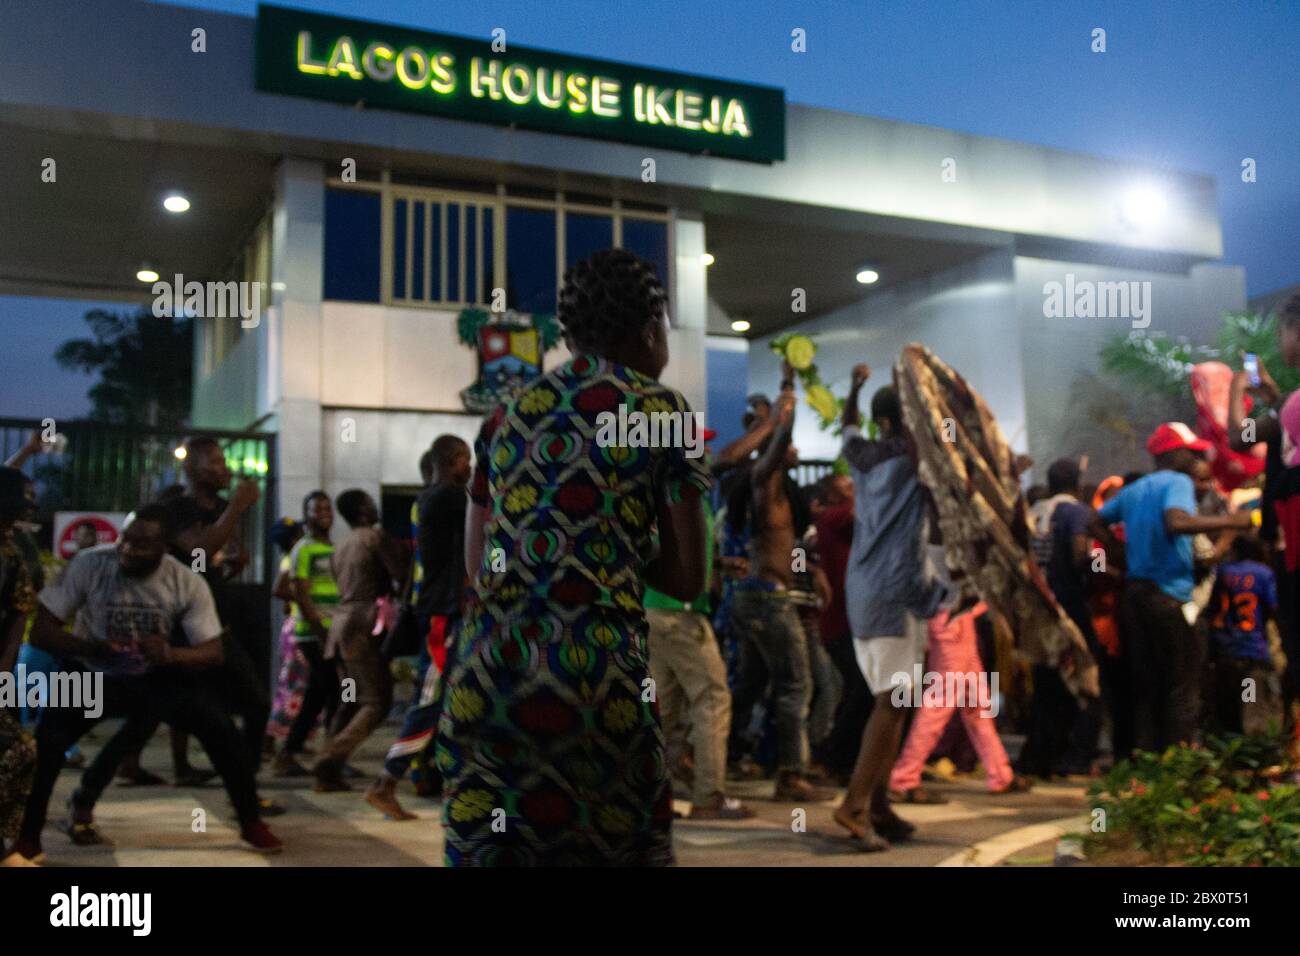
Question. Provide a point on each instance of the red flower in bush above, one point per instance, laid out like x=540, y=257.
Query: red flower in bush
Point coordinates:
x=1205, y=849
x=1139, y=789
x=1262, y=795
x=576, y=497
x=1196, y=808
x=1266, y=819
x=1236, y=808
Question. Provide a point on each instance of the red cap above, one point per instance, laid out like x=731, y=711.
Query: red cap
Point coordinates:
x=710, y=434
x=1172, y=435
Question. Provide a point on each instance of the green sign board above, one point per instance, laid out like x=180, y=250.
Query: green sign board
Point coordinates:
x=393, y=67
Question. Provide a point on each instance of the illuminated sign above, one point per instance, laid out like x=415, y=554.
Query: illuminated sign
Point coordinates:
x=393, y=67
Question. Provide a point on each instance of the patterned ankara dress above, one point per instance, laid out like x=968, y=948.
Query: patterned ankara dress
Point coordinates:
x=550, y=755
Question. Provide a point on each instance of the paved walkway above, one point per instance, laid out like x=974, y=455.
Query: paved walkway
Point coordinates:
x=155, y=826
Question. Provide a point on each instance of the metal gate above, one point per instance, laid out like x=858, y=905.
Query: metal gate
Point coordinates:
x=101, y=467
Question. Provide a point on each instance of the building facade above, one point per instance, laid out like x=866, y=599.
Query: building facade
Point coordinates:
x=377, y=193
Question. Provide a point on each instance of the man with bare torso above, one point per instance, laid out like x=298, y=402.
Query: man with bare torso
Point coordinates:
x=764, y=618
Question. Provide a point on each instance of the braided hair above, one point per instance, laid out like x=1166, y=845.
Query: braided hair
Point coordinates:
x=608, y=298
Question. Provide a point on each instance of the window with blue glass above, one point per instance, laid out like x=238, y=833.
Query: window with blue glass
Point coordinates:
x=530, y=259
x=584, y=234
x=442, y=252
x=648, y=238
x=352, y=245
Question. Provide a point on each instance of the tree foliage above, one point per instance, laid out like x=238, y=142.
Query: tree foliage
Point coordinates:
x=1161, y=364
x=144, y=365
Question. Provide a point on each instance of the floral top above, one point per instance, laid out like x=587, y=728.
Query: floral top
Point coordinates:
x=572, y=500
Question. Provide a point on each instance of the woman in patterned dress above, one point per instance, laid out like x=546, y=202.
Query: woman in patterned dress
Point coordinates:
x=549, y=740
x=17, y=601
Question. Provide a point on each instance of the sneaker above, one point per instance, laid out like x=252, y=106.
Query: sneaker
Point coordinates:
x=259, y=838
x=728, y=808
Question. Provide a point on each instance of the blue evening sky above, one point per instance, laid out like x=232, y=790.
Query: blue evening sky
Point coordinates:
x=1190, y=85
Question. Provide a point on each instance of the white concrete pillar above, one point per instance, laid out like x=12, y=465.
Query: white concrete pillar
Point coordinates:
x=292, y=386
x=688, y=310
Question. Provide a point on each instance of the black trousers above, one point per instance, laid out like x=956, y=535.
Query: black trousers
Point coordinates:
x=145, y=702
x=839, y=751
x=1052, y=714
x=235, y=687
x=1166, y=657
x=321, y=694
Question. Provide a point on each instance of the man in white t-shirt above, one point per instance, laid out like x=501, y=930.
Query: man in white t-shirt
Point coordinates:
x=126, y=600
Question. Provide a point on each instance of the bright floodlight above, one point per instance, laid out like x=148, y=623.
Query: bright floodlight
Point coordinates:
x=176, y=203
x=707, y=258
x=867, y=276
x=147, y=275
x=740, y=325
x=1143, y=205
x=180, y=453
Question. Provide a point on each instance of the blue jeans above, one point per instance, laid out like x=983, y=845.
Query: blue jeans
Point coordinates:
x=772, y=645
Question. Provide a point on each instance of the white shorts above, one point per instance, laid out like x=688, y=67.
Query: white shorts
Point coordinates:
x=880, y=658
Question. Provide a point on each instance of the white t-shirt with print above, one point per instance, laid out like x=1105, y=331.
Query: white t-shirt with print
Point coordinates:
x=120, y=609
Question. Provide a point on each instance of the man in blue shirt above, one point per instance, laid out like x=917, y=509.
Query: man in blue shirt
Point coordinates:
x=1159, y=516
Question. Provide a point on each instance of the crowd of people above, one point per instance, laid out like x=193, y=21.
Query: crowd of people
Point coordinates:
x=598, y=627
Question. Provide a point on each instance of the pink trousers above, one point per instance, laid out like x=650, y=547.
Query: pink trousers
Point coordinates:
x=953, y=650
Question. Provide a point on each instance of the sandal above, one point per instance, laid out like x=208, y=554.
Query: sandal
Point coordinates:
x=893, y=828
x=1018, y=784
x=83, y=834
x=917, y=795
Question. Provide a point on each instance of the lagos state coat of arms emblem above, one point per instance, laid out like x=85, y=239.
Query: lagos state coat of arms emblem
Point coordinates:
x=510, y=347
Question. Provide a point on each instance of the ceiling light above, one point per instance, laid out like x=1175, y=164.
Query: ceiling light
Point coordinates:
x=867, y=275
x=146, y=274
x=707, y=258
x=176, y=203
x=1142, y=205
x=740, y=325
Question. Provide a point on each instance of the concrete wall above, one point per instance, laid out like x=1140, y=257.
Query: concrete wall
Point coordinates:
x=1074, y=407
x=386, y=445
x=966, y=315
x=228, y=397
x=1040, y=376
x=834, y=160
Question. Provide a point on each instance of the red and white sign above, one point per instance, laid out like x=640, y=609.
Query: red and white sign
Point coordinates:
x=71, y=535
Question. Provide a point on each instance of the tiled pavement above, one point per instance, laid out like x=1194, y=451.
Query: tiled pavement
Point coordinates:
x=153, y=826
